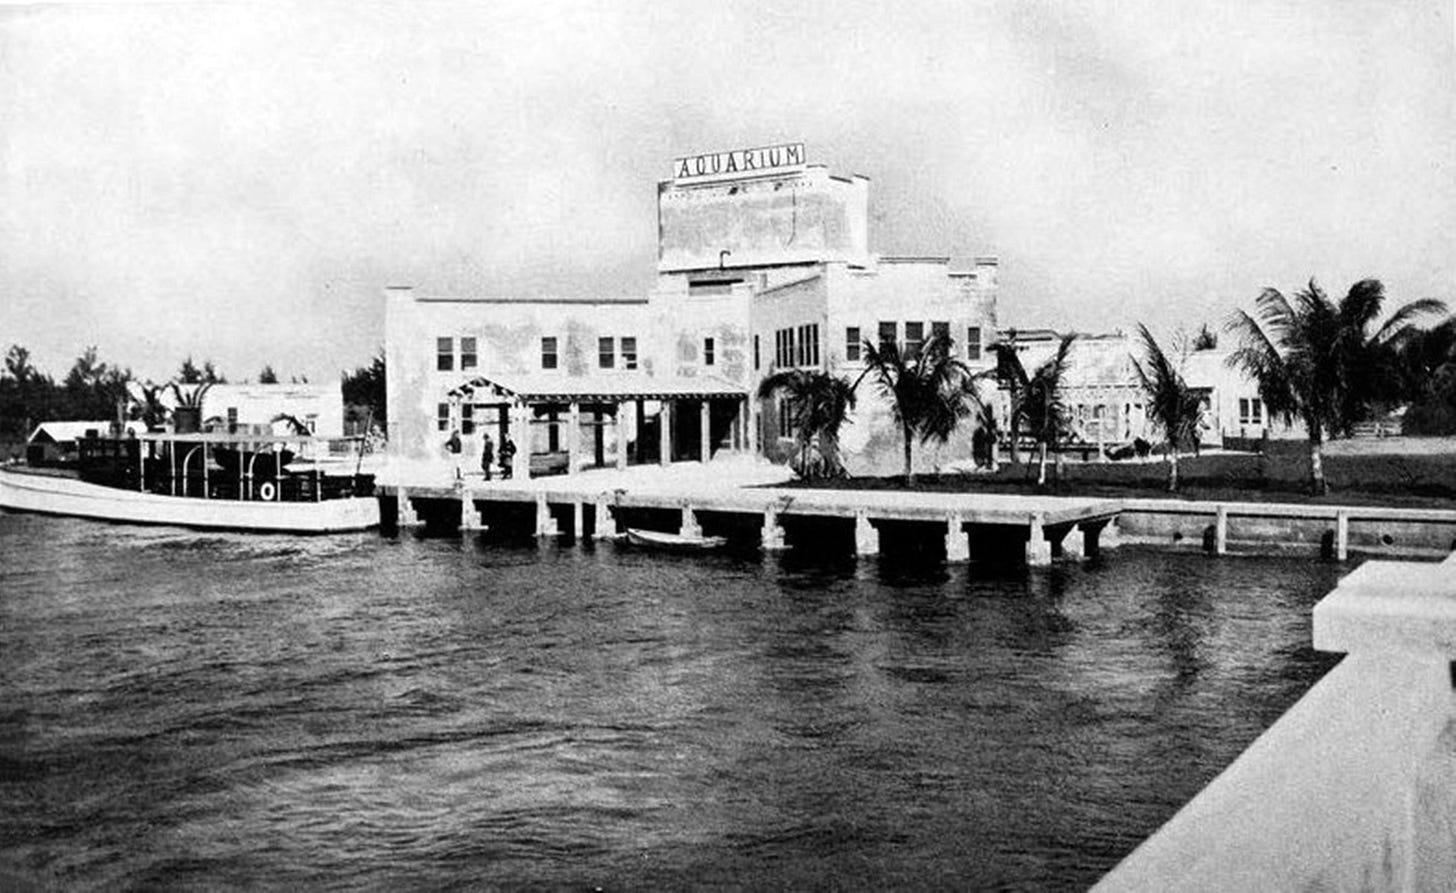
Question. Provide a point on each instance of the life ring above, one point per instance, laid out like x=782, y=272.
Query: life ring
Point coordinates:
x=266, y=491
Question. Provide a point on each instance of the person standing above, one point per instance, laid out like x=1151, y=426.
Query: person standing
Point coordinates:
x=508, y=456
x=453, y=446
x=487, y=455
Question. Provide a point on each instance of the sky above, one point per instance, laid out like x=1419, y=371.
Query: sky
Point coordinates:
x=240, y=181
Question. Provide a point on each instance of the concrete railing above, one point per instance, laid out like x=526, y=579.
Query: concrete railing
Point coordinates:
x=1354, y=788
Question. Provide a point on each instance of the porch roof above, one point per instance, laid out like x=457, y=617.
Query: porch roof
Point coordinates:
x=607, y=388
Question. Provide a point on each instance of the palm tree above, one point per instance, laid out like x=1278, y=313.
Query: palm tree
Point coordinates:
x=1041, y=407
x=820, y=403
x=1314, y=360
x=929, y=390
x=1171, y=403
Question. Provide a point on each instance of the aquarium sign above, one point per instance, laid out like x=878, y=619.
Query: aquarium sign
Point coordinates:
x=782, y=159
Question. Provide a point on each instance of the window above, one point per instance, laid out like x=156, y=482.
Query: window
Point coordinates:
x=1251, y=411
x=444, y=354
x=809, y=345
x=467, y=353
x=787, y=416
x=442, y=416
x=467, y=418
x=232, y=419
x=708, y=351
x=801, y=354
x=851, y=344
x=973, y=343
x=887, y=334
x=606, y=354
x=548, y=353
x=941, y=330
x=629, y=353
x=755, y=353
x=914, y=338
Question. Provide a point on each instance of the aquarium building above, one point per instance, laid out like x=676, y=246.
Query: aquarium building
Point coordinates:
x=763, y=264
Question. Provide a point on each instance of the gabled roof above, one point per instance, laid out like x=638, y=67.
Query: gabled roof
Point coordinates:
x=607, y=387
x=62, y=432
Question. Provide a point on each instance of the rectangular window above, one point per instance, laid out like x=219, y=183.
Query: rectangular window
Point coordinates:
x=467, y=418
x=888, y=334
x=442, y=416
x=755, y=353
x=708, y=352
x=467, y=353
x=606, y=354
x=851, y=344
x=232, y=419
x=973, y=343
x=444, y=354
x=548, y=353
x=914, y=338
x=941, y=330
x=629, y=353
x=786, y=418
x=812, y=338
x=801, y=345
x=1251, y=411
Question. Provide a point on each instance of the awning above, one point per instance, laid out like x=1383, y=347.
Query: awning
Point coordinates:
x=609, y=387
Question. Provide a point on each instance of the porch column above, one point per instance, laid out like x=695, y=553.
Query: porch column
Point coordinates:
x=752, y=415
x=1220, y=530
x=521, y=434
x=621, y=430
x=545, y=524
x=665, y=433
x=705, y=435
x=641, y=426
x=573, y=438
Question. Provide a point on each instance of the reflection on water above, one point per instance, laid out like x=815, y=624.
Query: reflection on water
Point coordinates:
x=186, y=710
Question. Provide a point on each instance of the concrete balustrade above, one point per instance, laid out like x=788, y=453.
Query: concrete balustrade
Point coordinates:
x=1354, y=788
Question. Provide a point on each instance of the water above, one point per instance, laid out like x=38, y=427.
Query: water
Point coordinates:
x=185, y=710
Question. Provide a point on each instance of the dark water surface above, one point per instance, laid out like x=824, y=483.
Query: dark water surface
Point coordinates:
x=198, y=711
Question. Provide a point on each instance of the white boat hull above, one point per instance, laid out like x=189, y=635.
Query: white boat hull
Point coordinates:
x=658, y=540
x=54, y=495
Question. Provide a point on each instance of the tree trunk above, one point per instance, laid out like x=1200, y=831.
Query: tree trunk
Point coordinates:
x=1317, y=484
x=1041, y=465
x=909, y=468
x=1015, y=446
x=1172, y=471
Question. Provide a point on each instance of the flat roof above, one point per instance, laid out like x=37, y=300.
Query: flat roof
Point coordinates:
x=606, y=388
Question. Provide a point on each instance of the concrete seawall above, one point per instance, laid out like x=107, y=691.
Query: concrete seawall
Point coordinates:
x=1332, y=531
x=1354, y=788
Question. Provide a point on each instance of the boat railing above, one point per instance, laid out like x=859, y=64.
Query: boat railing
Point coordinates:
x=255, y=467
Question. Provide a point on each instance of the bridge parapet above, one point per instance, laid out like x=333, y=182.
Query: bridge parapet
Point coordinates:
x=1355, y=786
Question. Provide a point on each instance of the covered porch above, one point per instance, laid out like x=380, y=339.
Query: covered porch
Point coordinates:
x=564, y=426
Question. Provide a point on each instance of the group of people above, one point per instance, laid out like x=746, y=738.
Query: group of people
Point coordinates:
x=487, y=454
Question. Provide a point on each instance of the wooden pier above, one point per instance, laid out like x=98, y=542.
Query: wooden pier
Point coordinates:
x=973, y=525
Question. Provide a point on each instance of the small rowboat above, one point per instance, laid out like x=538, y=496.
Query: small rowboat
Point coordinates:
x=656, y=539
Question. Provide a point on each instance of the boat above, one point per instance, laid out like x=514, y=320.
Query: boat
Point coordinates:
x=176, y=479
x=657, y=539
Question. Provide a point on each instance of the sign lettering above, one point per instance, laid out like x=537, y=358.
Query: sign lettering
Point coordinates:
x=784, y=158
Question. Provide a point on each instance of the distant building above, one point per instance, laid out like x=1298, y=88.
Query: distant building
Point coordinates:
x=56, y=443
x=763, y=264
x=262, y=408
